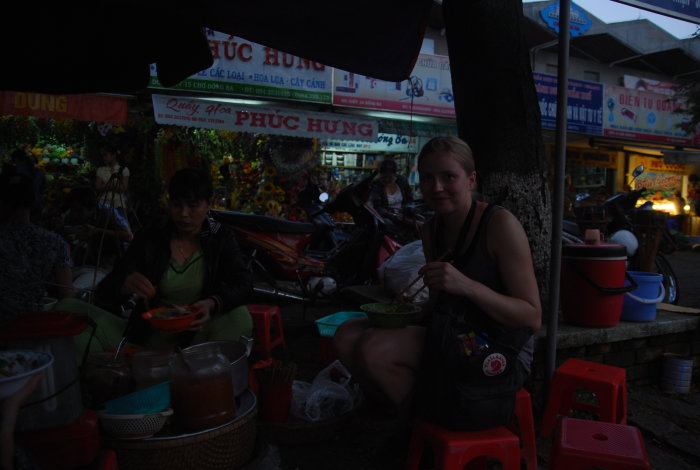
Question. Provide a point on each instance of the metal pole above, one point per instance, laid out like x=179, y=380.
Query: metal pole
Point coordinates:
x=558, y=190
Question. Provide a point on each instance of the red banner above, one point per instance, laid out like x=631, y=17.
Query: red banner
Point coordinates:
x=87, y=107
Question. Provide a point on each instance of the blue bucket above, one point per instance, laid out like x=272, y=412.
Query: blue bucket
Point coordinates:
x=640, y=303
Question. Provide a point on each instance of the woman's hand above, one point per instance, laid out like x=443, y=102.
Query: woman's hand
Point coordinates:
x=206, y=306
x=444, y=277
x=137, y=283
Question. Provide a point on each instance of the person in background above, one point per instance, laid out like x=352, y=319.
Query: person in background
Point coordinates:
x=480, y=271
x=93, y=231
x=390, y=195
x=191, y=260
x=112, y=182
x=390, y=192
x=25, y=165
x=34, y=262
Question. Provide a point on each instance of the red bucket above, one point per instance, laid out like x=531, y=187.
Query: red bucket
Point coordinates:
x=593, y=284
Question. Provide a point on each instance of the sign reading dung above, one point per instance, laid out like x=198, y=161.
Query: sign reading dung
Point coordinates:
x=640, y=115
x=427, y=91
x=584, y=108
x=246, y=68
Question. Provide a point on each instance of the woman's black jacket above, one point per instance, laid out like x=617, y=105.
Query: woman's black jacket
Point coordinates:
x=227, y=281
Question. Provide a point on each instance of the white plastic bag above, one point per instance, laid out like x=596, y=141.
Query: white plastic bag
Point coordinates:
x=328, y=396
x=401, y=268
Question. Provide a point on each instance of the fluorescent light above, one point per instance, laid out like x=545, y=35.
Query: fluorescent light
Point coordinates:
x=399, y=116
x=236, y=101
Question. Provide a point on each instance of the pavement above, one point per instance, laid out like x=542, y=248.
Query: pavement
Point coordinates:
x=368, y=438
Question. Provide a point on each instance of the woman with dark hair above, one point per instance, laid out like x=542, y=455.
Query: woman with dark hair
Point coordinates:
x=191, y=260
x=391, y=192
x=33, y=261
x=112, y=182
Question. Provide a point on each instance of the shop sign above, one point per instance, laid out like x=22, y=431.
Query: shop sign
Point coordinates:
x=647, y=84
x=657, y=165
x=84, y=107
x=641, y=115
x=584, y=110
x=683, y=157
x=418, y=129
x=209, y=114
x=385, y=143
x=428, y=90
x=243, y=67
x=579, y=22
x=687, y=10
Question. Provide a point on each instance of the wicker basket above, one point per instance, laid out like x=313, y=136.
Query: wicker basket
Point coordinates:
x=228, y=447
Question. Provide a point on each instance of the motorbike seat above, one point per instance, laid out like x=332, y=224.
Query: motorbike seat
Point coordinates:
x=572, y=227
x=262, y=223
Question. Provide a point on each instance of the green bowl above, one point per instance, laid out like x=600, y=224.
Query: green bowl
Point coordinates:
x=386, y=315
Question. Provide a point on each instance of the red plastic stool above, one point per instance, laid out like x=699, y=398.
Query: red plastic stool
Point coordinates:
x=267, y=334
x=107, y=460
x=326, y=351
x=454, y=449
x=524, y=427
x=583, y=444
x=608, y=383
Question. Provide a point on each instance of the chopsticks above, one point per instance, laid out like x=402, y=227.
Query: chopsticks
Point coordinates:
x=403, y=299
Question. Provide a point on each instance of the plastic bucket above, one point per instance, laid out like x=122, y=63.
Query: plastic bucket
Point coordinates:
x=677, y=374
x=640, y=303
x=593, y=284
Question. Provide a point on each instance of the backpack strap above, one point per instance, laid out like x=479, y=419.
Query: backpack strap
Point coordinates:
x=483, y=221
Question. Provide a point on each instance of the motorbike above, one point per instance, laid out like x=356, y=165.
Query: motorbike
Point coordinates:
x=307, y=260
x=618, y=213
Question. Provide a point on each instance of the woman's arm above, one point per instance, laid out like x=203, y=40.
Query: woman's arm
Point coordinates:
x=63, y=278
x=124, y=182
x=376, y=197
x=508, y=244
x=8, y=420
x=99, y=182
x=232, y=284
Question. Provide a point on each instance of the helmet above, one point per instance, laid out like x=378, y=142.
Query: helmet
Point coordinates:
x=626, y=238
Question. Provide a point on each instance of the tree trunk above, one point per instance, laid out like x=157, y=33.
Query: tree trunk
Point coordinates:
x=498, y=115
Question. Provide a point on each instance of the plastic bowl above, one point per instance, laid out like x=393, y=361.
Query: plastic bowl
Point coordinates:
x=172, y=324
x=18, y=366
x=138, y=426
x=388, y=315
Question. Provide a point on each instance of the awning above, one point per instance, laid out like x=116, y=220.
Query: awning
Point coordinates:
x=223, y=115
x=109, y=46
x=100, y=108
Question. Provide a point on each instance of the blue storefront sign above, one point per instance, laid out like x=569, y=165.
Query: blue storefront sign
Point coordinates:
x=579, y=22
x=687, y=10
x=584, y=108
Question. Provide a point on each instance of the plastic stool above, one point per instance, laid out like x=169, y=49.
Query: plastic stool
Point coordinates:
x=267, y=334
x=608, y=383
x=454, y=449
x=583, y=444
x=524, y=427
x=107, y=460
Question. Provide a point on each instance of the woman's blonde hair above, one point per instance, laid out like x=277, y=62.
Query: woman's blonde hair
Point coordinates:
x=452, y=144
